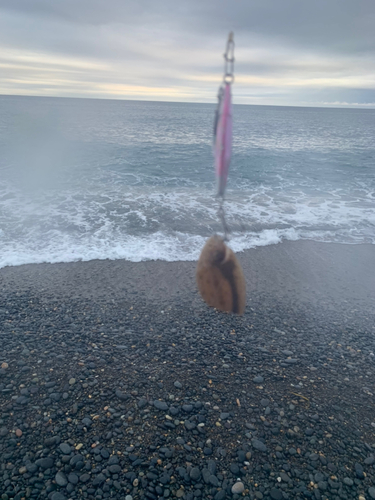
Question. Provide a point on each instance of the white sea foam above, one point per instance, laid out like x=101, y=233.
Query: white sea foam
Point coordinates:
x=157, y=246
x=169, y=225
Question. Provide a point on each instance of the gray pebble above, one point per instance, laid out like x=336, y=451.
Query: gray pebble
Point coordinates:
x=238, y=488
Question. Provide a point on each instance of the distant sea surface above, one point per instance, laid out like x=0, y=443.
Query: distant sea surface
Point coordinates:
x=84, y=179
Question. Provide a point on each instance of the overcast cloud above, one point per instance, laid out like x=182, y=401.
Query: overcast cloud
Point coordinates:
x=288, y=52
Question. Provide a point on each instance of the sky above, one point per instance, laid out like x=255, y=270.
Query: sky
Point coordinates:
x=288, y=52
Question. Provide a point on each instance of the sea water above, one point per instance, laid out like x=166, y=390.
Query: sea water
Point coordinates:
x=84, y=179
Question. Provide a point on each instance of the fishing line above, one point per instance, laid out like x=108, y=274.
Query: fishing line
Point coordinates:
x=223, y=131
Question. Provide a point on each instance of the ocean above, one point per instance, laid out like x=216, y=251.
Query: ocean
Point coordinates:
x=84, y=179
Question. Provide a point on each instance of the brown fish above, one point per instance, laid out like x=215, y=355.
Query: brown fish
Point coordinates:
x=220, y=277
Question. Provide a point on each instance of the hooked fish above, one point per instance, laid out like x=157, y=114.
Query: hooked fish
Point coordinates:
x=220, y=278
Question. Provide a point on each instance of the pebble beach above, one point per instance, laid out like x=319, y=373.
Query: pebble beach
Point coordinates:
x=117, y=381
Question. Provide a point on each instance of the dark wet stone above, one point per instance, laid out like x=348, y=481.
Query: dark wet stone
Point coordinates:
x=61, y=479
x=161, y=405
x=220, y=495
x=58, y=496
x=100, y=478
x=276, y=494
x=206, y=475
x=3, y=431
x=224, y=415
x=211, y=466
x=65, y=448
x=121, y=395
x=234, y=469
x=195, y=474
x=32, y=468
x=189, y=425
x=259, y=445
x=322, y=485
x=73, y=478
x=114, y=469
x=359, y=471
x=50, y=441
x=213, y=480
x=44, y=463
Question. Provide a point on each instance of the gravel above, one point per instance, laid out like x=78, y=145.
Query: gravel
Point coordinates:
x=152, y=413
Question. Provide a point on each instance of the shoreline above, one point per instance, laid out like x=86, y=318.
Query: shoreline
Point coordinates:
x=302, y=270
x=119, y=382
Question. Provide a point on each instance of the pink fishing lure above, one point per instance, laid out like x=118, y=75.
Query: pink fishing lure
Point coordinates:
x=223, y=137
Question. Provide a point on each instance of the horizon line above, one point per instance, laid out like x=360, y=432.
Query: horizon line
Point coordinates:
x=364, y=106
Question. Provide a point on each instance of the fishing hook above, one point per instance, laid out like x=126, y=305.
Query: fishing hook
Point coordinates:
x=229, y=60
